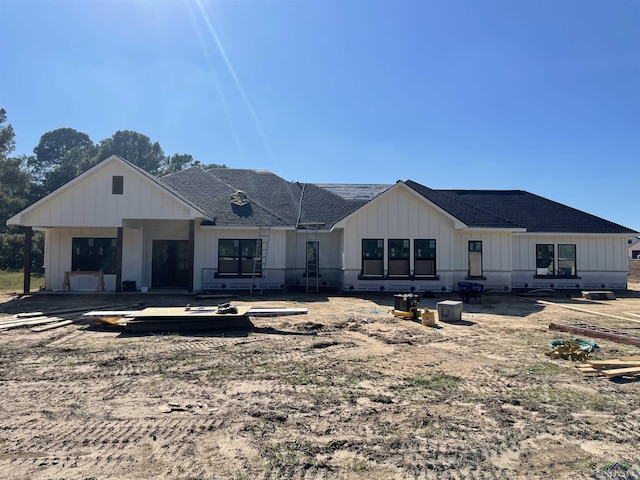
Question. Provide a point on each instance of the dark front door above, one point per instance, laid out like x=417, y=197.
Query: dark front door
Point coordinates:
x=170, y=265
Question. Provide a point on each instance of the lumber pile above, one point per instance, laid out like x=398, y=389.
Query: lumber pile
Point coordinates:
x=618, y=367
x=602, y=295
x=577, y=349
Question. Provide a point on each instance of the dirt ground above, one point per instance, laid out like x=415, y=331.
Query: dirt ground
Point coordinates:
x=346, y=392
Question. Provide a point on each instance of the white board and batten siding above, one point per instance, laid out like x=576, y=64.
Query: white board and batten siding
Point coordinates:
x=601, y=261
x=58, y=244
x=88, y=201
x=496, y=257
x=396, y=214
x=330, y=246
x=206, y=257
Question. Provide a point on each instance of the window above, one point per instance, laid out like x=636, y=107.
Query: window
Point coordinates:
x=117, y=185
x=566, y=260
x=424, y=258
x=399, y=255
x=545, y=259
x=239, y=257
x=94, y=255
x=475, y=258
x=372, y=257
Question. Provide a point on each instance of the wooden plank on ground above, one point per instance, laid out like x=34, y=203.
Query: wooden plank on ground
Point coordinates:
x=616, y=372
x=583, y=369
x=599, y=295
x=276, y=312
x=27, y=323
x=613, y=363
x=51, y=326
x=111, y=313
x=191, y=313
x=599, y=332
x=583, y=310
x=189, y=324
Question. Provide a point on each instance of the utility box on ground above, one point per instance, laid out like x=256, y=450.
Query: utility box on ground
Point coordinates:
x=449, y=311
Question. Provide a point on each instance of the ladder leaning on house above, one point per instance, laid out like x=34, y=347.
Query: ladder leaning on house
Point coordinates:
x=260, y=258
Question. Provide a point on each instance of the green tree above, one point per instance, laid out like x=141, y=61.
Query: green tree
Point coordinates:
x=135, y=148
x=14, y=193
x=177, y=162
x=7, y=142
x=52, y=167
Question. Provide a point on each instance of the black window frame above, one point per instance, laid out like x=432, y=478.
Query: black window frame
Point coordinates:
x=94, y=254
x=545, y=260
x=561, y=268
x=372, y=255
x=425, y=254
x=399, y=257
x=471, y=249
x=245, y=254
x=117, y=185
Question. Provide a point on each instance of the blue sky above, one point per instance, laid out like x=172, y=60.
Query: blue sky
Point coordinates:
x=537, y=95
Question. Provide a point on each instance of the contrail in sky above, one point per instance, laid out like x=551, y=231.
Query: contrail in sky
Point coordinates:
x=236, y=80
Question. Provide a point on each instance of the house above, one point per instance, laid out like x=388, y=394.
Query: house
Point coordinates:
x=633, y=247
x=117, y=227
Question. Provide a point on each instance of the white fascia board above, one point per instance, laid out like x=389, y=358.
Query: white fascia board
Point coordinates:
x=457, y=223
x=194, y=211
x=497, y=230
x=572, y=234
x=246, y=227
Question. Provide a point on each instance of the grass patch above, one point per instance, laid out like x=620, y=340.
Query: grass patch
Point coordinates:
x=545, y=368
x=12, y=282
x=424, y=386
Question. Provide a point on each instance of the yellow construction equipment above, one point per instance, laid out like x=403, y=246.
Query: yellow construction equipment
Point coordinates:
x=407, y=305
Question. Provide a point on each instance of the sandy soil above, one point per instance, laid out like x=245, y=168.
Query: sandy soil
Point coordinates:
x=346, y=392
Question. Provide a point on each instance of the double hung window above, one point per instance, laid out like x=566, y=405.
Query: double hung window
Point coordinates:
x=239, y=257
x=372, y=257
x=424, y=257
x=562, y=265
x=94, y=255
x=399, y=257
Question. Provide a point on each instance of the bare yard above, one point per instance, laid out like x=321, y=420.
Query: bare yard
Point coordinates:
x=347, y=391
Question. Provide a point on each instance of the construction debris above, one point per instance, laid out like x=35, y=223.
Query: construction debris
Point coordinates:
x=223, y=316
x=601, y=295
x=576, y=349
x=619, y=367
x=599, y=332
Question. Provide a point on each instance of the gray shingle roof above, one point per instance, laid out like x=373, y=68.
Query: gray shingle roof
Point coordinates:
x=272, y=200
x=508, y=208
x=277, y=202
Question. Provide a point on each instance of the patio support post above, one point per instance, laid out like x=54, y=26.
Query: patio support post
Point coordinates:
x=192, y=249
x=28, y=236
x=119, y=260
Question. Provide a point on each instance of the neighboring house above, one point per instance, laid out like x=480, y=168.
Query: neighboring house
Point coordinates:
x=116, y=225
x=634, y=247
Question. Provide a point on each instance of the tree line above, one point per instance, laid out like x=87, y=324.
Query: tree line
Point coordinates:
x=60, y=156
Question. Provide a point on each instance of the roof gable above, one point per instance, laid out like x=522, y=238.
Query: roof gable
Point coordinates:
x=88, y=200
x=381, y=197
